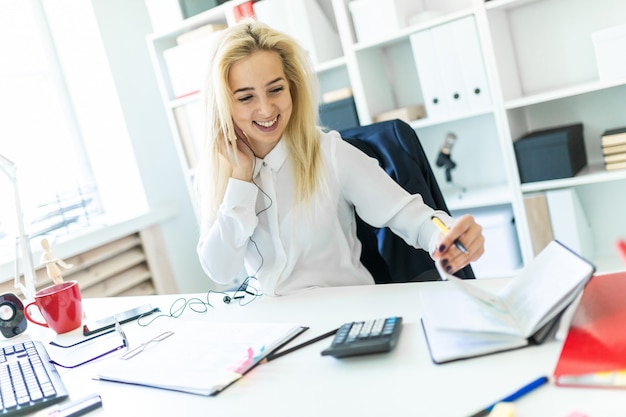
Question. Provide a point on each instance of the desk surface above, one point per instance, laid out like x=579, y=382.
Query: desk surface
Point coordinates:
x=304, y=383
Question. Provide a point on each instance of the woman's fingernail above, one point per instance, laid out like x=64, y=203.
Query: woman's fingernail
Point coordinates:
x=448, y=268
x=444, y=262
x=442, y=248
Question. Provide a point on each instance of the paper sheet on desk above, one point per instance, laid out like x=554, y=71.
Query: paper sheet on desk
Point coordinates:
x=201, y=358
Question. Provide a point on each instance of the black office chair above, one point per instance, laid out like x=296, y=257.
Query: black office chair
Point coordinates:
x=397, y=148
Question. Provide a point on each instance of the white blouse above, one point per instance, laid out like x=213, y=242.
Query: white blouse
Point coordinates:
x=260, y=231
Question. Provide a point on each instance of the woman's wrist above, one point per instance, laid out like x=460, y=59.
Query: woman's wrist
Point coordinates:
x=242, y=174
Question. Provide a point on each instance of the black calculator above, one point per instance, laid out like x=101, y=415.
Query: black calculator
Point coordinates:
x=364, y=337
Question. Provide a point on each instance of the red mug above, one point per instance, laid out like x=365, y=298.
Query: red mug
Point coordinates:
x=60, y=305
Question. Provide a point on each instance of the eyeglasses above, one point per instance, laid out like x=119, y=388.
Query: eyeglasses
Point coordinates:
x=142, y=347
x=118, y=330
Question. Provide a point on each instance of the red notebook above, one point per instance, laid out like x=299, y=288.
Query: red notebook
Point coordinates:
x=594, y=351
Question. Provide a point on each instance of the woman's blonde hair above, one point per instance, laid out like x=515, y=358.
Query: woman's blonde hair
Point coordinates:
x=301, y=134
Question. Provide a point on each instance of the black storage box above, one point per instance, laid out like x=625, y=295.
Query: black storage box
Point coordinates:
x=339, y=115
x=193, y=7
x=551, y=153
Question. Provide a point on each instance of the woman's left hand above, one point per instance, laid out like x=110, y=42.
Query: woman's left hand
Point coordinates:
x=469, y=234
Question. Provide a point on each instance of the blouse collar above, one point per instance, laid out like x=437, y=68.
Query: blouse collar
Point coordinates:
x=275, y=159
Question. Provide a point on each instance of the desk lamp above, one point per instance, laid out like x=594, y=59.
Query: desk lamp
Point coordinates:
x=28, y=289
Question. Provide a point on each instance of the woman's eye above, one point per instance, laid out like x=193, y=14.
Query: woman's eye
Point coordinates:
x=277, y=90
x=244, y=99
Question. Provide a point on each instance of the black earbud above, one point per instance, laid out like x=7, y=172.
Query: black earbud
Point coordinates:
x=227, y=298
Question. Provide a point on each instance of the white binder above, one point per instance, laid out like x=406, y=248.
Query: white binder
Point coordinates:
x=472, y=67
x=450, y=66
x=429, y=75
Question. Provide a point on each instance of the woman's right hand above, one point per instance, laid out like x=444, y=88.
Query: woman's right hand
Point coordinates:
x=241, y=157
x=469, y=233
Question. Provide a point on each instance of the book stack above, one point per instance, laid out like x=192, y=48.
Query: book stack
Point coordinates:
x=614, y=149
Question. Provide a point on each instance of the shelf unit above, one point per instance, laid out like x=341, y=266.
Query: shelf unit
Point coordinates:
x=547, y=76
x=539, y=61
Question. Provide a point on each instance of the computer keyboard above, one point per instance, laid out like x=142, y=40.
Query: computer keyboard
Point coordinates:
x=28, y=381
x=363, y=337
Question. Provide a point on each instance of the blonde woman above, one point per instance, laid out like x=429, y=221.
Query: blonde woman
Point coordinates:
x=278, y=195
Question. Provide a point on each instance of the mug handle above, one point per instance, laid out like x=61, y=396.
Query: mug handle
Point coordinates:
x=33, y=303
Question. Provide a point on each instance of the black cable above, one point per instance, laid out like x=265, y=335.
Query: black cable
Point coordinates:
x=197, y=305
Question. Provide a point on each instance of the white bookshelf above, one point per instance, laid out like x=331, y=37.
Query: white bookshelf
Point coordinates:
x=540, y=65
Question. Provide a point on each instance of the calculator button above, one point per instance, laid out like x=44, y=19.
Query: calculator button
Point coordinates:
x=342, y=333
x=377, y=328
x=354, y=331
x=367, y=328
x=389, y=326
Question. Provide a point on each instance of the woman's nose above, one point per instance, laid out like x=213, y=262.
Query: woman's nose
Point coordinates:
x=266, y=107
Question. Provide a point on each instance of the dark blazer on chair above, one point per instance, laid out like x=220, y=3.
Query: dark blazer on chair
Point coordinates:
x=397, y=148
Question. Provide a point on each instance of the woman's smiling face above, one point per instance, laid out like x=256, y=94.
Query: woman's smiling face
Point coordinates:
x=261, y=99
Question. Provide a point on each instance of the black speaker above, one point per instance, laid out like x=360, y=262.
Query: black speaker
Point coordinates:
x=12, y=320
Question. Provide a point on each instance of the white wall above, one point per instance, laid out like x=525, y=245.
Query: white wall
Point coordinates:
x=124, y=25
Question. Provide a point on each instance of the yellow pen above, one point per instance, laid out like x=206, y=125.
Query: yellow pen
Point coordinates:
x=444, y=229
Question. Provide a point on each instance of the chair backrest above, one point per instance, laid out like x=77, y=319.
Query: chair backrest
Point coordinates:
x=398, y=150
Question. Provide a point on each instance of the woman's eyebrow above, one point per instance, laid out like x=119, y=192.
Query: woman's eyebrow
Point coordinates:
x=243, y=89
x=275, y=81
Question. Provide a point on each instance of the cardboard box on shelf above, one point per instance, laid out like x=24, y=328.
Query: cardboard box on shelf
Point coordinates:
x=406, y=114
x=339, y=94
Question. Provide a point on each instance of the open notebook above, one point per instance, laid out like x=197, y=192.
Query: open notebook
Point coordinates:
x=465, y=320
x=202, y=357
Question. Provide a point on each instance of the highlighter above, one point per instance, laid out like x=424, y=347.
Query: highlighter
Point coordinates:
x=444, y=229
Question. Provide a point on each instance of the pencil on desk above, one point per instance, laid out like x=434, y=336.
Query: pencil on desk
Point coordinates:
x=277, y=355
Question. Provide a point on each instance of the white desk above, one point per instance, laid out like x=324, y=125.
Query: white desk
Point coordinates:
x=304, y=383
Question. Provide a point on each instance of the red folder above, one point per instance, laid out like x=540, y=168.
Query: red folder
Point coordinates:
x=594, y=351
